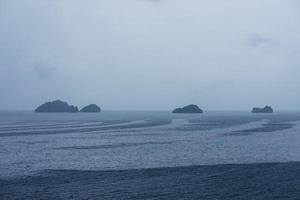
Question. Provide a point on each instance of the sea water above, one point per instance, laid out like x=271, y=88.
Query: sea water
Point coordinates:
x=149, y=155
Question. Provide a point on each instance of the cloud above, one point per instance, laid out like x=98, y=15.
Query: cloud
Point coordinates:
x=257, y=40
x=44, y=72
x=154, y=1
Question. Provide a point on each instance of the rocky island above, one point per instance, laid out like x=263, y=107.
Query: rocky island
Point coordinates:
x=266, y=109
x=188, y=109
x=56, y=107
x=91, y=108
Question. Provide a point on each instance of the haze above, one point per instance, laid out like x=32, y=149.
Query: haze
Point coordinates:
x=150, y=54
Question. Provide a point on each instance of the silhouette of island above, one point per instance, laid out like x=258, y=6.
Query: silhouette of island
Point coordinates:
x=188, y=109
x=91, y=108
x=266, y=109
x=56, y=107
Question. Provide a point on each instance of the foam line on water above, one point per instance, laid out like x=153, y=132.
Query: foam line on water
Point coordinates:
x=88, y=129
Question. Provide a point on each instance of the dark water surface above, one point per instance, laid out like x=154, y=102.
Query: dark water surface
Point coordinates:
x=245, y=181
x=149, y=155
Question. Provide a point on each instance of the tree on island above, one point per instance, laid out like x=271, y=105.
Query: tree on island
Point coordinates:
x=188, y=109
x=266, y=109
x=57, y=106
x=91, y=108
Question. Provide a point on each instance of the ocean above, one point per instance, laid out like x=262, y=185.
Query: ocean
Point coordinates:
x=149, y=155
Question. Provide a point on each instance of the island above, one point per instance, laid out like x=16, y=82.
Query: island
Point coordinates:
x=91, y=109
x=188, y=109
x=56, y=107
x=266, y=109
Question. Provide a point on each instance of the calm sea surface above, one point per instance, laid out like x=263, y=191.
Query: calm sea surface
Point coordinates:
x=149, y=155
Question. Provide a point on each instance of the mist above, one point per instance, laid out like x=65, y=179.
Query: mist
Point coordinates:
x=150, y=54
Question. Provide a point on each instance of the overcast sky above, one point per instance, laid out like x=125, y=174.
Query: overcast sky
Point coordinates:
x=150, y=54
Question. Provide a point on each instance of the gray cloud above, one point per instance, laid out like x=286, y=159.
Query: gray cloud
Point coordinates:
x=155, y=1
x=156, y=56
x=44, y=72
x=257, y=40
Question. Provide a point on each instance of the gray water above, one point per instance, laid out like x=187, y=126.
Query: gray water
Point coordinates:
x=111, y=146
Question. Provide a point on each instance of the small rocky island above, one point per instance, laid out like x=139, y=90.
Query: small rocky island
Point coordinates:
x=91, y=108
x=266, y=109
x=56, y=107
x=188, y=109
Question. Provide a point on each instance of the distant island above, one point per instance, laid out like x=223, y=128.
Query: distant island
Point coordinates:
x=266, y=109
x=91, y=108
x=188, y=109
x=57, y=107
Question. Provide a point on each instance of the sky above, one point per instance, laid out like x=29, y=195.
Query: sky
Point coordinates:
x=150, y=54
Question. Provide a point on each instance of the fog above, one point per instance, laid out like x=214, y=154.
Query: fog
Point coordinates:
x=150, y=54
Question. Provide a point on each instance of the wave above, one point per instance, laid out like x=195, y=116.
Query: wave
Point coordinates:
x=266, y=128
x=87, y=129
x=231, y=181
x=60, y=126
x=120, y=145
